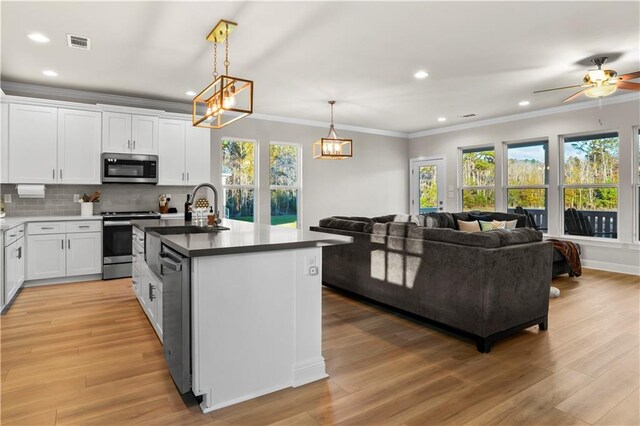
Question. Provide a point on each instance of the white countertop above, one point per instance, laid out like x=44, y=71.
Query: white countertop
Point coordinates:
x=11, y=222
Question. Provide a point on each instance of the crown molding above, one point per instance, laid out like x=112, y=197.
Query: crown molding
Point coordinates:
x=627, y=97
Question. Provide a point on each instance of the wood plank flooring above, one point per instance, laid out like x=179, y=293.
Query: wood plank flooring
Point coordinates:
x=85, y=354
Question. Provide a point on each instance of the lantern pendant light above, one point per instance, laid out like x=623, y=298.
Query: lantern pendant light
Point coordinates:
x=226, y=99
x=333, y=147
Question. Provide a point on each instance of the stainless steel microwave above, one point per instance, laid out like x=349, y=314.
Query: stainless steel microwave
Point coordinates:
x=129, y=168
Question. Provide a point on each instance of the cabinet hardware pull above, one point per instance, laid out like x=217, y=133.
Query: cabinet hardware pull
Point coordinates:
x=187, y=176
x=19, y=252
x=62, y=244
x=12, y=235
x=151, y=296
x=69, y=244
x=183, y=176
x=53, y=173
x=129, y=144
x=83, y=226
x=134, y=144
x=46, y=227
x=60, y=174
x=21, y=231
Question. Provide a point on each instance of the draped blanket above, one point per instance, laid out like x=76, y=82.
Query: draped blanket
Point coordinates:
x=570, y=251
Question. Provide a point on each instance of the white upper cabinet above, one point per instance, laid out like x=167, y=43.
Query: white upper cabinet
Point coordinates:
x=171, y=158
x=185, y=153
x=129, y=133
x=197, y=154
x=33, y=134
x=116, y=132
x=144, y=134
x=79, y=146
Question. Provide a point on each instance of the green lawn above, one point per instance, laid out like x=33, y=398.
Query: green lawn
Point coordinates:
x=289, y=221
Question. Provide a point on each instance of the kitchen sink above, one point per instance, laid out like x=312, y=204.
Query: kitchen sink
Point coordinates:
x=177, y=230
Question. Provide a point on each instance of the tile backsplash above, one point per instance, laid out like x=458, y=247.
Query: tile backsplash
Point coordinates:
x=58, y=199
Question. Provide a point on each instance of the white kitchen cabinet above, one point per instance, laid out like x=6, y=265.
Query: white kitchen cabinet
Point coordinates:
x=14, y=268
x=46, y=256
x=33, y=134
x=129, y=133
x=4, y=145
x=172, y=152
x=84, y=253
x=185, y=153
x=197, y=154
x=79, y=146
x=146, y=285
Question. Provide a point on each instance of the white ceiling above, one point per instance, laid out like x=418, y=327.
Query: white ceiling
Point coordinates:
x=482, y=57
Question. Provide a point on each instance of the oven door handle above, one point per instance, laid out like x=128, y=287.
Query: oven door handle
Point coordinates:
x=168, y=262
x=118, y=223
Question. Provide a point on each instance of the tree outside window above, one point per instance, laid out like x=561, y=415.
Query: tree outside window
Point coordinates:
x=238, y=179
x=478, y=179
x=284, y=172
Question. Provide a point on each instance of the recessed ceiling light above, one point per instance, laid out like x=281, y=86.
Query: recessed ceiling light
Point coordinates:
x=50, y=73
x=524, y=103
x=441, y=119
x=38, y=38
x=421, y=74
x=190, y=93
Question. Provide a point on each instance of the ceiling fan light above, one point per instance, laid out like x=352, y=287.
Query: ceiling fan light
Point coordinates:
x=597, y=75
x=600, y=91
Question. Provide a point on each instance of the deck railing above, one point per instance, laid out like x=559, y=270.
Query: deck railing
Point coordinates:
x=603, y=223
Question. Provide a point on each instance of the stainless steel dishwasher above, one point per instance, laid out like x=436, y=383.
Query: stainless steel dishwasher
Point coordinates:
x=174, y=271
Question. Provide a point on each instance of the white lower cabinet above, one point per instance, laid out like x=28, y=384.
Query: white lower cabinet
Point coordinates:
x=147, y=287
x=46, y=257
x=74, y=249
x=13, y=268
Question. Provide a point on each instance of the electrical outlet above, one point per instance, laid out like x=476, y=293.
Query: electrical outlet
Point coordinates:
x=313, y=270
x=7, y=198
x=76, y=198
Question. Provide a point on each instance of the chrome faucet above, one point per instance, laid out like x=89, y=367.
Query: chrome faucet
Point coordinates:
x=215, y=198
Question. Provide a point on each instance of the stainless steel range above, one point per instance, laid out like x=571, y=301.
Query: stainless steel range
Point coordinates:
x=117, y=240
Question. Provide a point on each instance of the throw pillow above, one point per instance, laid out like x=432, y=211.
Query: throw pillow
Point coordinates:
x=499, y=224
x=486, y=226
x=471, y=226
x=511, y=224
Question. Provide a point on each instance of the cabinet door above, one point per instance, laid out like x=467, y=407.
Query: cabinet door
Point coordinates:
x=9, y=272
x=46, y=256
x=144, y=134
x=198, y=154
x=84, y=253
x=116, y=132
x=79, y=146
x=171, y=152
x=33, y=135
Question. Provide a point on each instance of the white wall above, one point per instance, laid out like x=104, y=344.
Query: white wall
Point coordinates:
x=622, y=255
x=374, y=182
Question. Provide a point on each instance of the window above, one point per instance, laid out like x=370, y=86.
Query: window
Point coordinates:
x=239, y=179
x=284, y=178
x=528, y=179
x=590, y=185
x=478, y=179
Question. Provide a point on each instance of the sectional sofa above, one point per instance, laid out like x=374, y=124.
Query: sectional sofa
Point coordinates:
x=483, y=285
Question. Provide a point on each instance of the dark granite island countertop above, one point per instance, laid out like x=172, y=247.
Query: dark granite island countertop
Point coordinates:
x=242, y=237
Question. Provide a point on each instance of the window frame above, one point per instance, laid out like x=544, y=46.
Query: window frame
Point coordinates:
x=562, y=185
x=256, y=176
x=462, y=187
x=297, y=187
x=635, y=182
x=505, y=175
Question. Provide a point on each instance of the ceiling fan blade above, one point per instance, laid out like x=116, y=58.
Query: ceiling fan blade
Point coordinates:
x=630, y=76
x=627, y=85
x=572, y=97
x=558, y=88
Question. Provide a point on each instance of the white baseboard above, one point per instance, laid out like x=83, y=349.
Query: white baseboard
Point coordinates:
x=252, y=395
x=309, y=372
x=611, y=267
x=63, y=280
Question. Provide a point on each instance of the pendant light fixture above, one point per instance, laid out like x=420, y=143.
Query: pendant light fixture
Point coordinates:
x=333, y=147
x=226, y=99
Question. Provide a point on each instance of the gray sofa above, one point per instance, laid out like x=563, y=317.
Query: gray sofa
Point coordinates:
x=485, y=285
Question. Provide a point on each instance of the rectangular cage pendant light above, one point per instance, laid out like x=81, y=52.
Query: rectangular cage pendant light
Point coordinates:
x=227, y=98
x=333, y=147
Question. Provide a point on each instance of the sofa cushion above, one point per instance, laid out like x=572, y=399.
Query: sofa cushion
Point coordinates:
x=444, y=219
x=345, y=224
x=355, y=218
x=432, y=221
x=396, y=229
x=470, y=226
x=446, y=235
x=478, y=216
x=510, y=237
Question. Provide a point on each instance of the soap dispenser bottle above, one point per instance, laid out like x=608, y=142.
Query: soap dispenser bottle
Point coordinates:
x=187, y=209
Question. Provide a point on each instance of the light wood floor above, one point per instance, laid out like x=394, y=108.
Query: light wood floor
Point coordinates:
x=85, y=353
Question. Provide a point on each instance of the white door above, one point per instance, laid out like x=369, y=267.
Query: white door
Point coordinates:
x=46, y=256
x=79, y=135
x=427, y=185
x=144, y=134
x=171, y=152
x=84, y=253
x=198, y=154
x=9, y=271
x=116, y=132
x=33, y=137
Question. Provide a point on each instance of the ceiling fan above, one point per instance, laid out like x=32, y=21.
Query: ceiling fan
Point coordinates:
x=598, y=82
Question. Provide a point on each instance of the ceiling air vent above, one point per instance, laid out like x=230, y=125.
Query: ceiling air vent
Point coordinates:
x=78, y=42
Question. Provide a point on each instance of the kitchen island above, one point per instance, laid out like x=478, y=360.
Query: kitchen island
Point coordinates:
x=255, y=306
